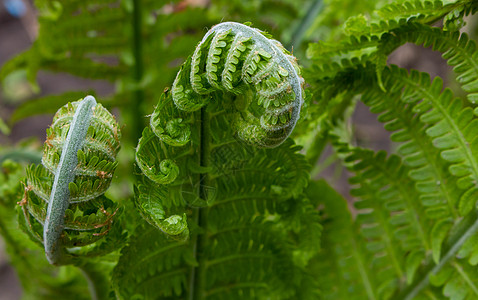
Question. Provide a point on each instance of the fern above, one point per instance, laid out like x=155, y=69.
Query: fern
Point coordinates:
x=66, y=191
x=224, y=206
x=227, y=206
x=416, y=211
x=457, y=49
x=28, y=257
x=137, y=45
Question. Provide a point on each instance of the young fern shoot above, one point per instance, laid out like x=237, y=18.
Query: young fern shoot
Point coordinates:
x=65, y=193
x=237, y=59
x=64, y=175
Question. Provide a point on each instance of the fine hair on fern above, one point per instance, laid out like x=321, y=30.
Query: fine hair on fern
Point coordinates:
x=65, y=193
x=237, y=59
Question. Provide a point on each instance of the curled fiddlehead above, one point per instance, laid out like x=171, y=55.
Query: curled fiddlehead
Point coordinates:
x=64, y=202
x=240, y=60
x=238, y=82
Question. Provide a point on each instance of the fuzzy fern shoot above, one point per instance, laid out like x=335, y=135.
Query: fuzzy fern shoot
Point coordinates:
x=64, y=194
x=223, y=200
x=240, y=60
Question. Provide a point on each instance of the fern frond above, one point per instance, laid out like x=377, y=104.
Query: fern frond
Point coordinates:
x=367, y=37
x=435, y=186
x=232, y=205
x=444, y=117
x=344, y=264
x=233, y=57
x=425, y=11
x=66, y=191
x=383, y=205
x=167, y=277
x=387, y=212
x=457, y=49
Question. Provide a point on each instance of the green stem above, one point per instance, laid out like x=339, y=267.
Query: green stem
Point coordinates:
x=199, y=274
x=469, y=229
x=299, y=32
x=138, y=94
x=97, y=282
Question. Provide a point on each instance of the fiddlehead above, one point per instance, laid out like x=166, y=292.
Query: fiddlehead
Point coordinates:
x=240, y=60
x=65, y=193
x=249, y=83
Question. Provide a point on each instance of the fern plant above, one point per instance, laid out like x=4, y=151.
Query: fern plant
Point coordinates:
x=413, y=237
x=226, y=204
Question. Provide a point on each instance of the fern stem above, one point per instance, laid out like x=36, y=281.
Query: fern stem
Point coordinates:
x=199, y=274
x=458, y=240
x=363, y=272
x=138, y=94
x=65, y=174
x=97, y=283
x=306, y=22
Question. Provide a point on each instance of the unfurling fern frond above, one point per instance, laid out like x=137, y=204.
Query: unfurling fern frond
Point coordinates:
x=65, y=194
x=224, y=205
x=248, y=82
x=240, y=60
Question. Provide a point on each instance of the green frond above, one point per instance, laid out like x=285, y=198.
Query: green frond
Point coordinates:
x=394, y=15
x=255, y=182
x=367, y=37
x=438, y=190
x=457, y=49
x=231, y=253
x=426, y=11
x=344, y=264
x=387, y=212
x=322, y=51
x=166, y=277
x=235, y=58
x=386, y=218
x=457, y=279
x=445, y=117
